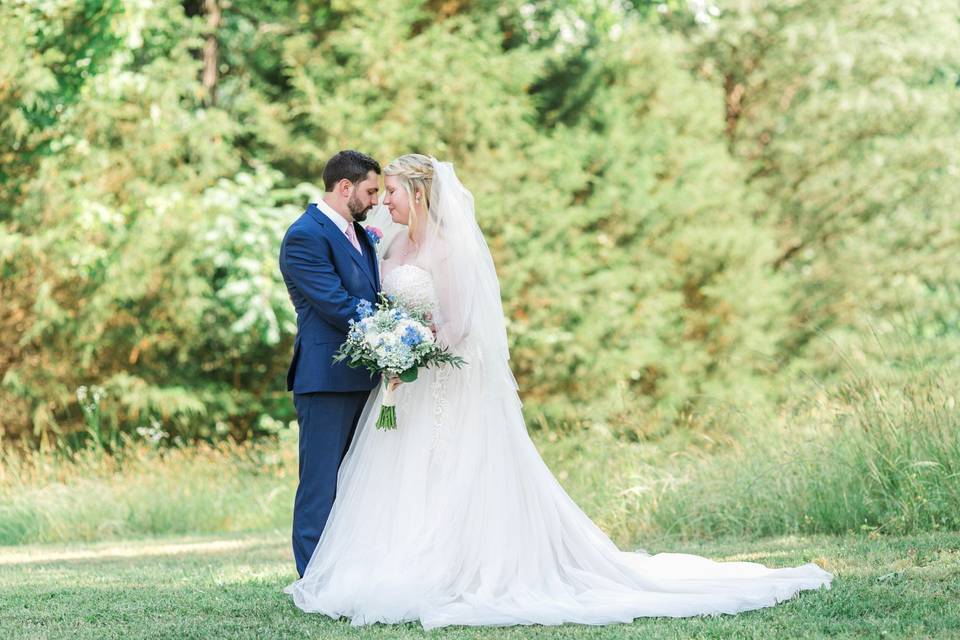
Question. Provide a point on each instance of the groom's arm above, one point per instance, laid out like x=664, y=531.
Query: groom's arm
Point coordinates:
x=319, y=283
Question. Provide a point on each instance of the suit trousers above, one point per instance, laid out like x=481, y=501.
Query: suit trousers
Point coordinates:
x=327, y=422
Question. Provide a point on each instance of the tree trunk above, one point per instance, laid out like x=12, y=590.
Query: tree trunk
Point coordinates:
x=210, y=52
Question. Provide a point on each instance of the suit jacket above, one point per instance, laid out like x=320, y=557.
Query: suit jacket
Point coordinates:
x=326, y=278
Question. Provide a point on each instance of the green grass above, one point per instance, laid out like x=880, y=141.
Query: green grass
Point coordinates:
x=146, y=491
x=230, y=587
x=874, y=460
x=234, y=488
x=869, y=454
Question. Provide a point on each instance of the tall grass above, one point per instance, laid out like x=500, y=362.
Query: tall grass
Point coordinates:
x=145, y=490
x=142, y=490
x=877, y=452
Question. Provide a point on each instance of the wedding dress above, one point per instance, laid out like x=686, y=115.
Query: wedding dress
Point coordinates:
x=454, y=519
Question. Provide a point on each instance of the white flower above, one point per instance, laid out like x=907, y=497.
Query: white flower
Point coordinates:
x=154, y=433
x=390, y=339
x=425, y=334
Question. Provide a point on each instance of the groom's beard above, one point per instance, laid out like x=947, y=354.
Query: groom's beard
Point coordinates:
x=357, y=210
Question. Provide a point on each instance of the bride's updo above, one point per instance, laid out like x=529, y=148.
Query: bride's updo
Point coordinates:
x=415, y=172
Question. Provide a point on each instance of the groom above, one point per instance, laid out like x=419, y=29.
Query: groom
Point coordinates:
x=329, y=265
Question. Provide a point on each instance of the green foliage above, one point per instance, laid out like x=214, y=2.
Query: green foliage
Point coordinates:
x=878, y=453
x=139, y=256
x=846, y=117
x=689, y=205
x=650, y=295
x=50, y=53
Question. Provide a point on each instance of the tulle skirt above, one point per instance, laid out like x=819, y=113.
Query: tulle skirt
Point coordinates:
x=454, y=519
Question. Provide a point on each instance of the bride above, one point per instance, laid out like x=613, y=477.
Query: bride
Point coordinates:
x=453, y=518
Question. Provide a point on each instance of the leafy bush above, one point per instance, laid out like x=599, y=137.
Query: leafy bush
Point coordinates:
x=689, y=208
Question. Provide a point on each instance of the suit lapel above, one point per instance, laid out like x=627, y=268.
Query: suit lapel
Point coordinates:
x=339, y=239
x=371, y=253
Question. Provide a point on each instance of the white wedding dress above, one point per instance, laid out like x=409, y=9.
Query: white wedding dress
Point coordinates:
x=454, y=519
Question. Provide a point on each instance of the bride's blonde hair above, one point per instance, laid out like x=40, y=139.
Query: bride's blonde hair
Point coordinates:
x=415, y=172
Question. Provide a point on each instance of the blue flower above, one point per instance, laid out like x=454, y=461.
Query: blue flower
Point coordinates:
x=364, y=309
x=411, y=337
x=374, y=234
x=355, y=332
x=398, y=314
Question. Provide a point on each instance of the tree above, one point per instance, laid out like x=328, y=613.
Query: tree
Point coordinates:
x=119, y=270
x=847, y=117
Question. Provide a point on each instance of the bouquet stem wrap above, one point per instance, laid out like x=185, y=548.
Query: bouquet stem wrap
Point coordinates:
x=388, y=409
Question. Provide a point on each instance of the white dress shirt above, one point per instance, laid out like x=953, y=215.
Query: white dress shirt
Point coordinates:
x=338, y=219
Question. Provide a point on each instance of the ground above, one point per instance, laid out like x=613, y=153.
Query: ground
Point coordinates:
x=230, y=587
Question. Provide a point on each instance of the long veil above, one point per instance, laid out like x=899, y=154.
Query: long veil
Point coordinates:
x=470, y=314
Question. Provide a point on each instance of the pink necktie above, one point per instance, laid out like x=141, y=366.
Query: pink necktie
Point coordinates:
x=352, y=236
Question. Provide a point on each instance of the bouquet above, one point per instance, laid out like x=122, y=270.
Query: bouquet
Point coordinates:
x=395, y=341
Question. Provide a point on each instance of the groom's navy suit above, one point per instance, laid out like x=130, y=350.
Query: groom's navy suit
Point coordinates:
x=327, y=278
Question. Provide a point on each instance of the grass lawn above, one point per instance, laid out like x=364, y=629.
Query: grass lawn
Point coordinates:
x=230, y=587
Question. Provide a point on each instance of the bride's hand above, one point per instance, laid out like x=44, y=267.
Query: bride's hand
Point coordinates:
x=393, y=383
x=433, y=325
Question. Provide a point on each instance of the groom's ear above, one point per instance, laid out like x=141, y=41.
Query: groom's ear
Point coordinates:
x=343, y=187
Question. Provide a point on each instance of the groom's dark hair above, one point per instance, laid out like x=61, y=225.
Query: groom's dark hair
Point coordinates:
x=349, y=164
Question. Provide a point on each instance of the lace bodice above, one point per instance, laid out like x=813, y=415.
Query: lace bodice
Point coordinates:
x=413, y=286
